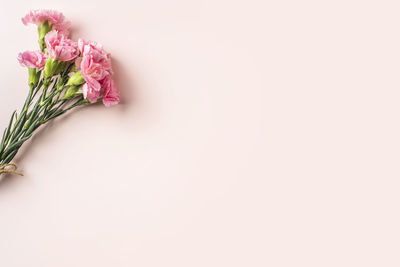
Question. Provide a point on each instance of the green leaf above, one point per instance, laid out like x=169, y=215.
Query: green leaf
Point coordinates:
x=15, y=146
x=10, y=157
x=9, y=127
x=2, y=142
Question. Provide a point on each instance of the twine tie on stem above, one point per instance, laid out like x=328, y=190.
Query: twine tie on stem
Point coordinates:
x=10, y=168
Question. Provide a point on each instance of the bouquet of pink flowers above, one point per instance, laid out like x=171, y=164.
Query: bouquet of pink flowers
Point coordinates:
x=63, y=75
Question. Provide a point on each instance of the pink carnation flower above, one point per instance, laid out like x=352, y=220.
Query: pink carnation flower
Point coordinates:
x=54, y=18
x=95, y=67
x=33, y=59
x=96, y=51
x=60, y=47
x=92, y=71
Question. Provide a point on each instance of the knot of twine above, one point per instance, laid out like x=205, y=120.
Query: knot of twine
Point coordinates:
x=10, y=168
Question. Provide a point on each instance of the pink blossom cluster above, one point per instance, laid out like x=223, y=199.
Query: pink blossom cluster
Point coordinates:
x=90, y=59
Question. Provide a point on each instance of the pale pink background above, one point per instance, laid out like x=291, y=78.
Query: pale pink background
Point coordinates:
x=251, y=133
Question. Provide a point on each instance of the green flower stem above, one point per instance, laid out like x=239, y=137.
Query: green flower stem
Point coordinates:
x=36, y=90
x=78, y=103
x=46, y=84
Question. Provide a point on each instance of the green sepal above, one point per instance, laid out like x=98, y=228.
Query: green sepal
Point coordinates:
x=76, y=79
x=72, y=91
x=53, y=67
x=49, y=67
x=43, y=29
x=34, y=77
